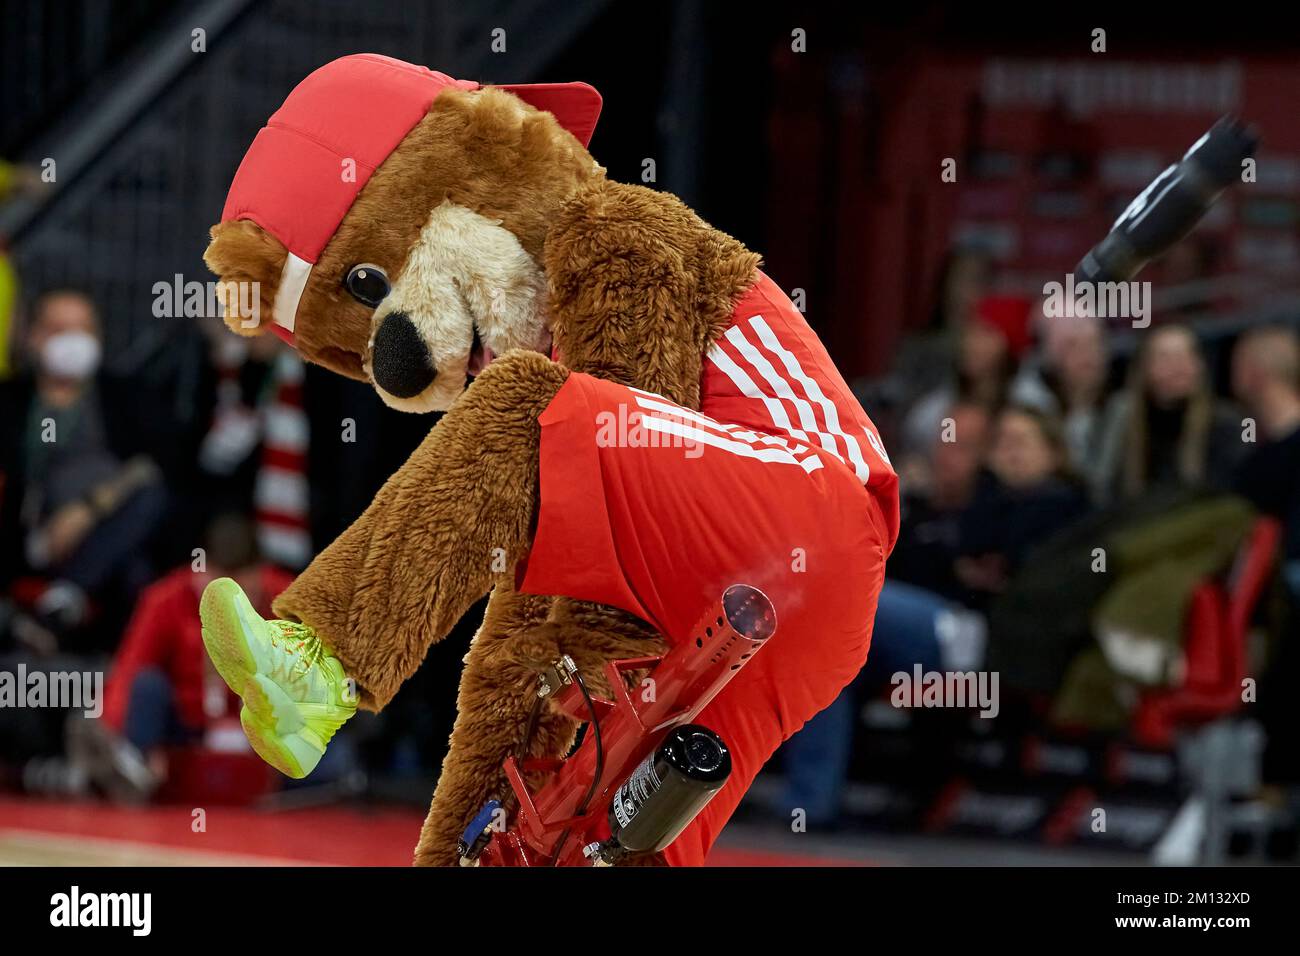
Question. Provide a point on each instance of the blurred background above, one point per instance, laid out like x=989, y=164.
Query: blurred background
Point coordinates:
x=1105, y=517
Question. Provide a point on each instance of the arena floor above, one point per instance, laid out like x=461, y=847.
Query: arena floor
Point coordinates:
x=73, y=833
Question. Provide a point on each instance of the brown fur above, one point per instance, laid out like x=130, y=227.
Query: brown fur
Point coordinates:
x=425, y=548
x=497, y=690
x=639, y=287
x=407, y=569
x=246, y=253
x=486, y=150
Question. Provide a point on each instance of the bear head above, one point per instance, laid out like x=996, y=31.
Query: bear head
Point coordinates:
x=389, y=221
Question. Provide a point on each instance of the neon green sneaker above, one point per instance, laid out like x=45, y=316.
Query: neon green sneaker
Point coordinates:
x=294, y=691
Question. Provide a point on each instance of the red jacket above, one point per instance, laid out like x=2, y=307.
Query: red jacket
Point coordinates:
x=165, y=633
x=779, y=481
x=769, y=372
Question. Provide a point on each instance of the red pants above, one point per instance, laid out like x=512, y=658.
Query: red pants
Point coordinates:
x=657, y=510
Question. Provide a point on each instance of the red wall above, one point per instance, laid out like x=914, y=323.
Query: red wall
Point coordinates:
x=859, y=216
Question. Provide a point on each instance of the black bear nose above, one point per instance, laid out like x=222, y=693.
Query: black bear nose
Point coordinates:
x=400, y=359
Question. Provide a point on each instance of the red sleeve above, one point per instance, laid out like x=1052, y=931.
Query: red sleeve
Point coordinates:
x=146, y=643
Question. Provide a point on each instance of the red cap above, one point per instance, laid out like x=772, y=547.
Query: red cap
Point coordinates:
x=1009, y=314
x=296, y=181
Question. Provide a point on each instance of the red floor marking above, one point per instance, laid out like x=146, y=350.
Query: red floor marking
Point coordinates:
x=328, y=835
x=331, y=835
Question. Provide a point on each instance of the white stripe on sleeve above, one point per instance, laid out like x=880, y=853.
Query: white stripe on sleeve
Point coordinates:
x=743, y=449
x=736, y=336
x=747, y=388
x=769, y=339
x=733, y=430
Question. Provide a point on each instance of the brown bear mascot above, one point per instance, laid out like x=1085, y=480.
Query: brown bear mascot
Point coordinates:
x=636, y=419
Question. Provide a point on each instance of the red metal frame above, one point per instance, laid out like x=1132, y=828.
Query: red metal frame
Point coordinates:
x=547, y=829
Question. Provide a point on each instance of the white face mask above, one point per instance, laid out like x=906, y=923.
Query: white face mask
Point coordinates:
x=70, y=355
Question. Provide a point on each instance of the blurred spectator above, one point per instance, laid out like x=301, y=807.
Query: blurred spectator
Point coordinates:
x=926, y=355
x=913, y=628
x=1266, y=380
x=929, y=538
x=1027, y=494
x=76, y=509
x=161, y=688
x=1186, y=277
x=1167, y=427
x=963, y=280
x=917, y=622
x=255, y=454
x=8, y=310
x=1071, y=380
x=988, y=348
x=15, y=180
x=229, y=452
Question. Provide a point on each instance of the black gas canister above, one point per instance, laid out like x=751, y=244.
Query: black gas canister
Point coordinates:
x=666, y=791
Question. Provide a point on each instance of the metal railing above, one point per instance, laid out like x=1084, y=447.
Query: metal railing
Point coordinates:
x=143, y=176
x=52, y=54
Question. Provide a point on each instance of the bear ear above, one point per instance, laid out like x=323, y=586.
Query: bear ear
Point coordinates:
x=502, y=129
x=492, y=117
x=248, y=260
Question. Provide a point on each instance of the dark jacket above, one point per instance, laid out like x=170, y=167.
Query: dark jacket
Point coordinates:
x=1008, y=522
x=150, y=415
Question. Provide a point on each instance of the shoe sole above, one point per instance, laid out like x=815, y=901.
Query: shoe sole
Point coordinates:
x=270, y=719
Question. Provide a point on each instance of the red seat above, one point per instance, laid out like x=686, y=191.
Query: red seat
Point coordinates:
x=26, y=591
x=1218, y=622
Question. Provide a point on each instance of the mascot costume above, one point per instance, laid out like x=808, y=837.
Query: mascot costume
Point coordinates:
x=637, y=418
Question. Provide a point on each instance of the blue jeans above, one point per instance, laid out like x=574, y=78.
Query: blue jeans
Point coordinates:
x=151, y=718
x=114, y=550
x=817, y=758
x=151, y=721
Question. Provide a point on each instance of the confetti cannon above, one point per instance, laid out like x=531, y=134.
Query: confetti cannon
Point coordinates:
x=644, y=769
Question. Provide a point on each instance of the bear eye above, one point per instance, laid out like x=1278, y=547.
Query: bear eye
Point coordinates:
x=367, y=283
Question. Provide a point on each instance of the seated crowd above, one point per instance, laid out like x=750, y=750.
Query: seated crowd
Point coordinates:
x=1021, y=448
x=122, y=493
x=1011, y=437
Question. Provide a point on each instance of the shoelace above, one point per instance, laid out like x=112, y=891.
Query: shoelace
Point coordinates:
x=298, y=640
